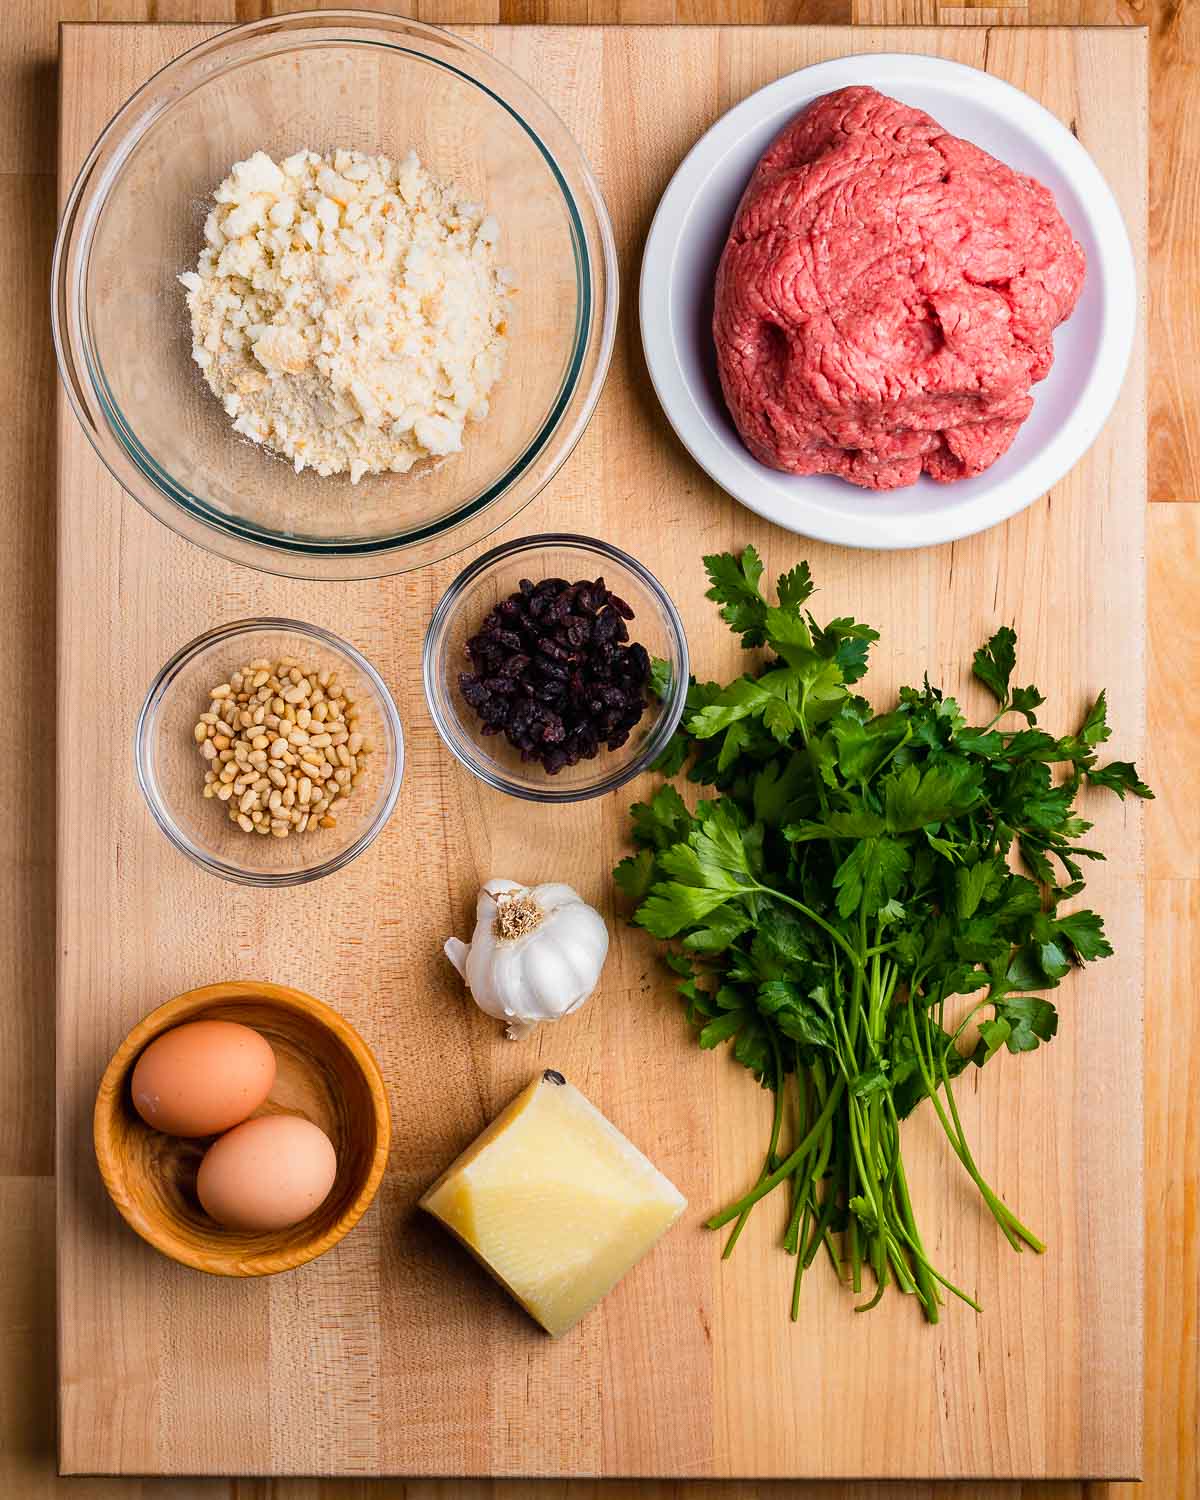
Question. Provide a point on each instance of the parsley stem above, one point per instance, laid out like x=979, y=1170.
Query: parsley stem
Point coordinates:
x=787, y=1166
x=928, y=1292
x=770, y=1163
x=1010, y=1225
x=820, y=1232
x=949, y=1285
x=800, y=1178
x=900, y=1267
x=931, y=1088
x=880, y=1288
x=799, y=1271
x=1003, y=1214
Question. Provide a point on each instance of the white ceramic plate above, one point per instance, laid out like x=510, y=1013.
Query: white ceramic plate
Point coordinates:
x=1091, y=350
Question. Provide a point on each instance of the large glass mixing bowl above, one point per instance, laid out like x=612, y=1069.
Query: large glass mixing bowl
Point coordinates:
x=135, y=219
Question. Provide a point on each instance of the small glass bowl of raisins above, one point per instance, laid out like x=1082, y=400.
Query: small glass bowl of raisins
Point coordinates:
x=556, y=668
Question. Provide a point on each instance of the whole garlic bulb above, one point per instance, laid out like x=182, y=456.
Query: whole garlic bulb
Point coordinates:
x=535, y=955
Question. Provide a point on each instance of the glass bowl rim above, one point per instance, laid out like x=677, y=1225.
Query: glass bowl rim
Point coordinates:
x=149, y=783
x=236, y=539
x=451, y=601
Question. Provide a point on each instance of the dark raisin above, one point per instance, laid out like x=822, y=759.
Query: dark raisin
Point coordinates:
x=638, y=660
x=553, y=671
x=548, y=646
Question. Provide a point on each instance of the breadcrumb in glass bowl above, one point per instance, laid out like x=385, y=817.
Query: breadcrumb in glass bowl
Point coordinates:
x=135, y=220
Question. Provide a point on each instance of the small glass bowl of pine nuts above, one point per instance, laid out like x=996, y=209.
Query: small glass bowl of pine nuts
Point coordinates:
x=270, y=752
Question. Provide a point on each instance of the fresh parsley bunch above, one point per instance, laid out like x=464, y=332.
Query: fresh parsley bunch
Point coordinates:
x=863, y=889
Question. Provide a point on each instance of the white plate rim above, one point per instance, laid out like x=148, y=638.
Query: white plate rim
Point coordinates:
x=737, y=472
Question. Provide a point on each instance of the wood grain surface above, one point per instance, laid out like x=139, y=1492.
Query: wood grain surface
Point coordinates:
x=394, y=1321
x=28, y=71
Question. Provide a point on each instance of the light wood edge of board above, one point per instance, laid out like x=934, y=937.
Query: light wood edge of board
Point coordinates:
x=220, y=1258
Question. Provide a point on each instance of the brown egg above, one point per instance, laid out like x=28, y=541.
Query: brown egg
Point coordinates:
x=267, y=1174
x=202, y=1078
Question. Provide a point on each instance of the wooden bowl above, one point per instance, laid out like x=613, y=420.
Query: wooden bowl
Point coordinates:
x=324, y=1071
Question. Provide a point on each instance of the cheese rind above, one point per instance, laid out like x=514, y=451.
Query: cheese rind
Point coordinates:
x=555, y=1202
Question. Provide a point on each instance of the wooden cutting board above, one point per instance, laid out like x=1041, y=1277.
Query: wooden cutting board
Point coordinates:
x=394, y=1354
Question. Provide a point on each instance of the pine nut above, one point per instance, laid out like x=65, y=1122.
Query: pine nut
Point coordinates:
x=281, y=747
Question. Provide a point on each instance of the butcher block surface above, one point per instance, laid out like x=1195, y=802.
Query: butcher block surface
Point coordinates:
x=394, y=1354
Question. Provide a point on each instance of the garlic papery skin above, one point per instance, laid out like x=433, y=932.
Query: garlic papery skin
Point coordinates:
x=535, y=955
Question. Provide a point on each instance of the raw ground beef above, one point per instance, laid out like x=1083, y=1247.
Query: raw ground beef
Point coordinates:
x=887, y=297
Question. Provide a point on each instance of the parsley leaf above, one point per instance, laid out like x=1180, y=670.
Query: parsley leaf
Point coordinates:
x=734, y=583
x=1120, y=776
x=993, y=664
